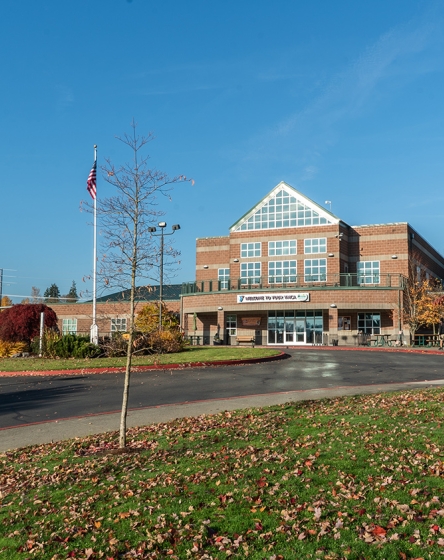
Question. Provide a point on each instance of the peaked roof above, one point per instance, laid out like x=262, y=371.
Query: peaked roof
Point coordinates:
x=170, y=292
x=284, y=207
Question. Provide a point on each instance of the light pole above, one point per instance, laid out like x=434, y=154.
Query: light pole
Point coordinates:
x=162, y=233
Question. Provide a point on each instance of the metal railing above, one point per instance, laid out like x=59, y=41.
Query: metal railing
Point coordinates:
x=299, y=282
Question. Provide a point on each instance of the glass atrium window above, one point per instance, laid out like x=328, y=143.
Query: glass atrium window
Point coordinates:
x=118, y=325
x=315, y=270
x=283, y=210
x=281, y=248
x=315, y=245
x=250, y=273
x=368, y=272
x=280, y=272
x=69, y=326
x=369, y=323
x=223, y=277
x=250, y=250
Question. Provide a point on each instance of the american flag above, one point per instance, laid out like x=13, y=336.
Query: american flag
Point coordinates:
x=91, y=182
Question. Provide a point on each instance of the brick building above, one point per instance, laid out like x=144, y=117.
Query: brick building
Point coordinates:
x=291, y=273
x=112, y=311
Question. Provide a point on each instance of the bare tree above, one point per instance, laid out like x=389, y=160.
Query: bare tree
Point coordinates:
x=131, y=253
x=35, y=295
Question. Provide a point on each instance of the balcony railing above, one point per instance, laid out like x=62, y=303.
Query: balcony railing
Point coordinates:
x=299, y=282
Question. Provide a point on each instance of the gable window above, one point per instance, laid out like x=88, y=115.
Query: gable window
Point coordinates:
x=249, y=250
x=368, y=272
x=250, y=273
x=369, y=323
x=283, y=210
x=223, y=276
x=280, y=272
x=281, y=248
x=69, y=326
x=315, y=270
x=317, y=245
x=118, y=324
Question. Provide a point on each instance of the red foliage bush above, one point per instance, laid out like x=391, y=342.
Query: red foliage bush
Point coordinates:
x=21, y=323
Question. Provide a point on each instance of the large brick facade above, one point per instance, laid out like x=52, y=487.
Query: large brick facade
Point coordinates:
x=344, y=301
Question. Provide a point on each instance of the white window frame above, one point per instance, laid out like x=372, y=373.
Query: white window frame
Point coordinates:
x=250, y=250
x=315, y=245
x=231, y=325
x=282, y=248
x=369, y=272
x=284, y=272
x=250, y=273
x=69, y=326
x=317, y=265
x=223, y=275
x=119, y=324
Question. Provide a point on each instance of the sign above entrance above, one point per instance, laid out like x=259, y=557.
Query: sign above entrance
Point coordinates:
x=273, y=298
x=251, y=321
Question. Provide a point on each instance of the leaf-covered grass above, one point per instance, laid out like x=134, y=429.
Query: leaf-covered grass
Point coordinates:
x=188, y=356
x=349, y=478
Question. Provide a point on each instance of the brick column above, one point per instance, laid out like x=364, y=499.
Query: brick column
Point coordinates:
x=221, y=323
x=332, y=324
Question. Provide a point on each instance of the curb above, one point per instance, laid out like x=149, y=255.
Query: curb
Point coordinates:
x=136, y=369
x=280, y=356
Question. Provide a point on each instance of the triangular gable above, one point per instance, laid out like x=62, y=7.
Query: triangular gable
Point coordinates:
x=284, y=207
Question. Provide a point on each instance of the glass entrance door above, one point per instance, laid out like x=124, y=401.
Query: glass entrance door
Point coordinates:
x=300, y=330
x=289, y=327
x=295, y=327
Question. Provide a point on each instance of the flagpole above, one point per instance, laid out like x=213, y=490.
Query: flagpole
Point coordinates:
x=94, y=335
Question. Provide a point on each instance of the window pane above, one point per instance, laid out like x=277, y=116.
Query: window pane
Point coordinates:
x=280, y=211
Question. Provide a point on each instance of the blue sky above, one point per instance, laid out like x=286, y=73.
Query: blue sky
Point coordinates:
x=342, y=100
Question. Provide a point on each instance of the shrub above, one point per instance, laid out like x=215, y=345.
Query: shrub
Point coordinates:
x=74, y=346
x=49, y=340
x=117, y=344
x=8, y=349
x=21, y=323
x=65, y=346
x=114, y=346
x=167, y=341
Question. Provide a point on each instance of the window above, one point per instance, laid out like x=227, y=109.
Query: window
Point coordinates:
x=369, y=323
x=223, y=276
x=69, y=326
x=315, y=270
x=281, y=271
x=368, y=272
x=231, y=325
x=315, y=245
x=283, y=210
x=250, y=250
x=280, y=248
x=118, y=325
x=250, y=273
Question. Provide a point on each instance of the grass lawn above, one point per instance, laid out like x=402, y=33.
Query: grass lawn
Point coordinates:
x=348, y=478
x=190, y=355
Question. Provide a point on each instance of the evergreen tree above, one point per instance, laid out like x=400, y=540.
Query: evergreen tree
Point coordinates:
x=52, y=293
x=72, y=296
